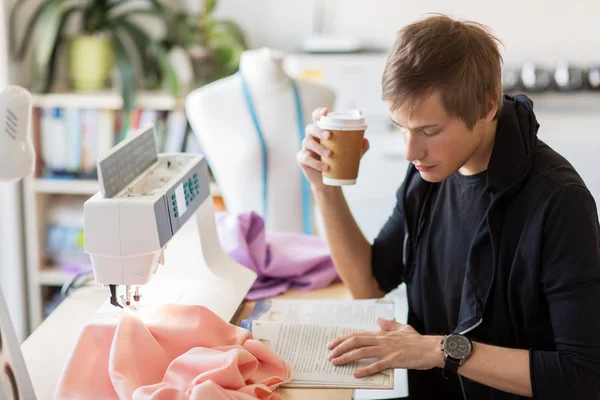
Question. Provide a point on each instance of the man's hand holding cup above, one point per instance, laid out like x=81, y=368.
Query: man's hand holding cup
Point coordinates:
x=332, y=148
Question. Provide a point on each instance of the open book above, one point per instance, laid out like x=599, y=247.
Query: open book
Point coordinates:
x=299, y=331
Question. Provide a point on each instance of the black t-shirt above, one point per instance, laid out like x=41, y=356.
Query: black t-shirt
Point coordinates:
x=456, y=210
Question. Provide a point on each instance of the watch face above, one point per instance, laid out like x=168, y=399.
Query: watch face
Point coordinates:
x=458, y=346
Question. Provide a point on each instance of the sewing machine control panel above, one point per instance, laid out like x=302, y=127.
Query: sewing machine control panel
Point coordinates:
x=186, y=195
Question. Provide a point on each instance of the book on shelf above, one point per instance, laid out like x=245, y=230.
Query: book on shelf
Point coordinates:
x=192, y=145
x=299, y=331
x=63, y=247
x=71, y=140
x=177, y=126
x=72, y=126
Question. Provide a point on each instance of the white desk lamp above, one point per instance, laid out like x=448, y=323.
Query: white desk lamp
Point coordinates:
x=17, y=157
x=17, y=161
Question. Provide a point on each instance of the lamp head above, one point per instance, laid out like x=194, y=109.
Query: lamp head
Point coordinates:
x=17, y=156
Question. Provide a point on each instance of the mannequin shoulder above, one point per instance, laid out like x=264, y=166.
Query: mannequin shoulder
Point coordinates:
x=316, y=91
x=213, y=93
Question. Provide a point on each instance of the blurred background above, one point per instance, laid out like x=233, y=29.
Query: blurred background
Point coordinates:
x=101, y=69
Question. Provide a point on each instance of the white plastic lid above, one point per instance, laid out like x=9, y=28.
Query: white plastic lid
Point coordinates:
x=353, y=120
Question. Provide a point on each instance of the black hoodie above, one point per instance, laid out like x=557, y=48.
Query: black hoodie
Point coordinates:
x=532, y=277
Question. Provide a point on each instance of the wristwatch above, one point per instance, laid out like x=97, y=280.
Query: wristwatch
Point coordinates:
x=457, y=348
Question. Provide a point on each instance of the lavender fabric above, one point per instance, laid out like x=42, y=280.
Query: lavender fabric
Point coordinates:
x=282, y=260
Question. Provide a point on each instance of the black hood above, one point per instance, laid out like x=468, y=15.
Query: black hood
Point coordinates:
x=516, y=136
x=510, y=163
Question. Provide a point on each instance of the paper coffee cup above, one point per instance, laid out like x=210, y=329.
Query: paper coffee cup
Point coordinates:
x=346, y=142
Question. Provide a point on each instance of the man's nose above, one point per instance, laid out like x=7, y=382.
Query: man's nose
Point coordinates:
x=415, y=148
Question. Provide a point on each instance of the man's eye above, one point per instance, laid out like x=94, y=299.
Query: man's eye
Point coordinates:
x=432, y=133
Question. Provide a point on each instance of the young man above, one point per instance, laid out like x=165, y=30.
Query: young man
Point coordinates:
x=494, y=233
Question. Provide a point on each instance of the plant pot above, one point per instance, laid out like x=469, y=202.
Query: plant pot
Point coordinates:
x=91, y=59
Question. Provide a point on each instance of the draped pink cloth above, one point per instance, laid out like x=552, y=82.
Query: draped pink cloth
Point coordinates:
x=170, y=352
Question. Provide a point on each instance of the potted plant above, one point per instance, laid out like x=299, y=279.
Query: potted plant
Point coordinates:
x=213, y=45
x=106, y=27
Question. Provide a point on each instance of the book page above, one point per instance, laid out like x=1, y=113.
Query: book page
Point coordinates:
x=356, y=313
x=304, y=346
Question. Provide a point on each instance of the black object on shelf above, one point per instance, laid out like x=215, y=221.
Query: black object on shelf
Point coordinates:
x=568, y=77
x=534, y=78
x=593, y=77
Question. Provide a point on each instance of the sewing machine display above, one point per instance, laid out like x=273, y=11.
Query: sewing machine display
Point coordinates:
x=146, y=198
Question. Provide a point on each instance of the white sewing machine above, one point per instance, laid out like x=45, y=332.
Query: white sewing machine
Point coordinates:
x=145, y=200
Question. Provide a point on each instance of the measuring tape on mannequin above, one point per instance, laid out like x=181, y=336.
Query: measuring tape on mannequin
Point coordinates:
x=305, y=188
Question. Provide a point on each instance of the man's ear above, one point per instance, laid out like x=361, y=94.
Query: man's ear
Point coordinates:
x=491, y=111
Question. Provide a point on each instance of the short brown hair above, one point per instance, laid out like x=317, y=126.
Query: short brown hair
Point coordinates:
x=461, y=59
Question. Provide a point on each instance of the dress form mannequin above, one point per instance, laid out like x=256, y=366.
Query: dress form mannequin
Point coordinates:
x=222, y=122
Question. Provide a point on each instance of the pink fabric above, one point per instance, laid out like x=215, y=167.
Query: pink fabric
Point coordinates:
x=172, y=352
x=282, y=260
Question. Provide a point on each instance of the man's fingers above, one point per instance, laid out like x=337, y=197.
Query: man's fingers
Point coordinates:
x=357, y=354
x=318, y=113
x=372, y=369
x=389, y=325
x=366, y=145
x=310, y=143
x=307, y=157
x=359, y=340
x=335, y=342
x=314, y=131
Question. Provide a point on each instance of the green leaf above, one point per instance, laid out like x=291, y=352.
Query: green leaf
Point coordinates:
x=209, y=6
x=138, y=11
x=162, y=59
x=45, y=34
x=127, y=73
x=226, y=50
x=140, y=40
x=233, y=28
x=19, y=54
x=158, y=5
x=125, y=120
x=116, y=3
x=52, y=64
x=168, y=72
x=12, y=34
x=95, y=16
x=227, y=59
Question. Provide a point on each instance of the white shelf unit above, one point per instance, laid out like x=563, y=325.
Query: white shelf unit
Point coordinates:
x=39, y=193
x=53, y=276
x=106, y=100
x=59, y=186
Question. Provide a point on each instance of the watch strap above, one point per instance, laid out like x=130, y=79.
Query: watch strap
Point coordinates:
x=450, y=366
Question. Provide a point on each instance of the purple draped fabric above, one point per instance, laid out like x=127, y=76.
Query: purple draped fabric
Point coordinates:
x=282, y=260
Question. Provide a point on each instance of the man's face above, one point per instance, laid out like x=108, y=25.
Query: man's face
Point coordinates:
x=437, y=143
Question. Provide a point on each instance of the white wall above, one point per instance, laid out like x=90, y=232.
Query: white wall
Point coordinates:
x=541, y=30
